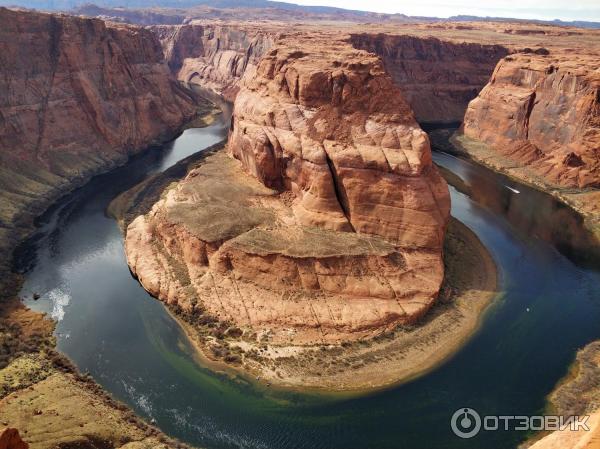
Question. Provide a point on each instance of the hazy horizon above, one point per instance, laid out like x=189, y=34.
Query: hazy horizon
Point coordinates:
x=588, y=10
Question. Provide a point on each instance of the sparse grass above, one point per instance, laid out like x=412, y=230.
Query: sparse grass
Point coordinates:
x=579, y=392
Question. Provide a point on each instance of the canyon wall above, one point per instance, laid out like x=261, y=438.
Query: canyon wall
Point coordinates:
x=438, y=78
x=328, y=223
x=77, y=96
x=541, y=111
x=213, y=56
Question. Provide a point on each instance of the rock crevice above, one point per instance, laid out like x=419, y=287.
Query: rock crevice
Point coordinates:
x=326, y=221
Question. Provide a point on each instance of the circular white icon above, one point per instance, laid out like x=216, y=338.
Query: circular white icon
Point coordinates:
x=465, y=423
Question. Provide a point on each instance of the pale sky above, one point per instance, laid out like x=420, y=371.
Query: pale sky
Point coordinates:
x=523, y=9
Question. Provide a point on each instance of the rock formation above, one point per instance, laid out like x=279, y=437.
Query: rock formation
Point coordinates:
x=438, y=78
x=10, y=439
x=541, y=110
x=213, y=56
x=77, y=96
x=331, y=225
x=577, y=395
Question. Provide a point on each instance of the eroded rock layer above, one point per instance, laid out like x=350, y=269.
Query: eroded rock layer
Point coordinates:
x=77, y=96
x=213, y=56
x=330, y=224
x=542, y=111
x=438, y=78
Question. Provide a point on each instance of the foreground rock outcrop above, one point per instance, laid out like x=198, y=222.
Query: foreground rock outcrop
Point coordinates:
x=568, y=439
x=77, y=96
x=10, y=439
x=542, y=111
x=330, y=224
x=213, y=56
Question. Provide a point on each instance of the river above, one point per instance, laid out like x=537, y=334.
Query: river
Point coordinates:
x=110, y=327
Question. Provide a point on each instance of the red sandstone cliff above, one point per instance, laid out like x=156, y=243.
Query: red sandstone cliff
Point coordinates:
x=542, y=112
x=329, y=124
x=213, y=56
x=77, y=96
x=335, y=230
x=438, y=78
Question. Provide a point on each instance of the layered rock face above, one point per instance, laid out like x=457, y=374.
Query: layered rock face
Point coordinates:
x=330, y=224
x=213, y=56
x=330, y=126
x=438, y=78
x=542, y=111
x=77, y=96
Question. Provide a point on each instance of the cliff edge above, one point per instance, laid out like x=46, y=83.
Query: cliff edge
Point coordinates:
x=326, y=220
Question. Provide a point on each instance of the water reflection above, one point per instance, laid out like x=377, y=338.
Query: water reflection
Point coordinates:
x=533, y=213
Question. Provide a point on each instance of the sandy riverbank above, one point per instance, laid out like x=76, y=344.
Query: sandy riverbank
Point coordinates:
x=577, y=394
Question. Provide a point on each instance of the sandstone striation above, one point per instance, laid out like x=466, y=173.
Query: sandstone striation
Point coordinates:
x=213, y=56
x=438, y=77
x=541, y=111
x=328, y=224
x=77, y=96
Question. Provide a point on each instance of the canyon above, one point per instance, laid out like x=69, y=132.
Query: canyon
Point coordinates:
x=213, y=56
x=319, y=133
x=538, y=119
x=554, y=104
x=78, y=97
x=438, y=77
x=316, y=244
x=323, y=221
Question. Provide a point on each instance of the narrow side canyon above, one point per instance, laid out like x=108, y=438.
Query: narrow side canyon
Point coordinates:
x=213, y=56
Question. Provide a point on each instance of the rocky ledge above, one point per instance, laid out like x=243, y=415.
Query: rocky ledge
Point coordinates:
x=324, y=223
x=538, y=120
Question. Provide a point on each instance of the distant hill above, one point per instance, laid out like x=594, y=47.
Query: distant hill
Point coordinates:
x=265, y=9
x=573, y=23
x=226, y=4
